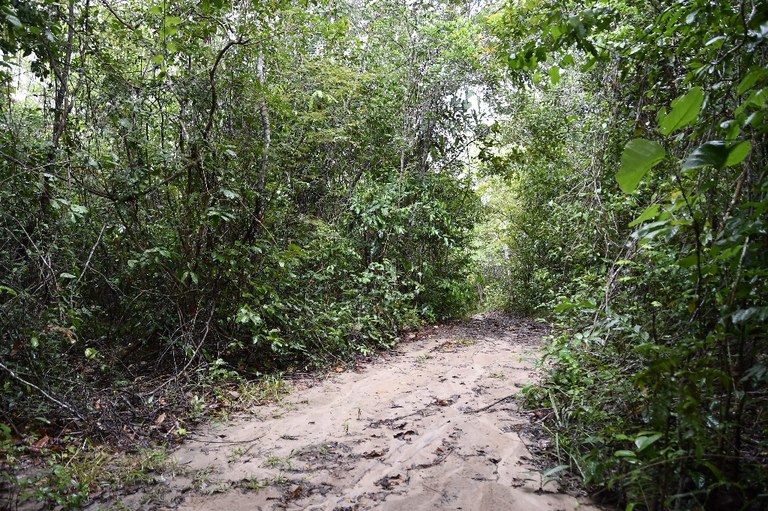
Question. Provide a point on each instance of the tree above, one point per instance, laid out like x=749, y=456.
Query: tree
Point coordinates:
x=265, y=185
x=659, y=368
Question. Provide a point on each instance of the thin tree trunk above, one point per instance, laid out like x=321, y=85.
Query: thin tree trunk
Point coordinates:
x=267, y=133
x=62, y=105
x=260, y=206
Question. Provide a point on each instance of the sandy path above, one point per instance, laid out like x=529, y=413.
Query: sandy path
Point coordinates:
x=401, y=433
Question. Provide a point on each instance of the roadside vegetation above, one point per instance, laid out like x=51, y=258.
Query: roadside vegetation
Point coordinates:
x=634, y=218
x=198, y=197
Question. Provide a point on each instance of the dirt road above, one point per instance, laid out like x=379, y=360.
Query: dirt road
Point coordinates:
x=430, y=425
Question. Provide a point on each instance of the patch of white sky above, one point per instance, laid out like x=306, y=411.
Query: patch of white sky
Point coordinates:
x=26, y=86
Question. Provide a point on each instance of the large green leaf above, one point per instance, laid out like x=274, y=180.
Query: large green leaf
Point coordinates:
x=643, y=441
x=651, y=212
x=710, y=154
x=639, y=156
x=717, y=154
x=738, y=152
x=554, y=74
x=684, y=111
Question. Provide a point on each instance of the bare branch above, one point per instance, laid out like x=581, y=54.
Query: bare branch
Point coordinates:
x=212, y=78
x=62, y=404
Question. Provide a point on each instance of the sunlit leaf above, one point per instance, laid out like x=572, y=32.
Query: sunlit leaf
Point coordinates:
x=568, y=305
x=552, y=471
x=8, y=290
x=684, y=111
x=643, y=441
x=13, y=20
x=751, y=79
x=650, y=213
x=554, y=74
x=738, y=153
x=744, y=315
x=639, y=156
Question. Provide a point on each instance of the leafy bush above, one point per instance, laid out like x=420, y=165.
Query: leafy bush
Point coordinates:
x=654, y=242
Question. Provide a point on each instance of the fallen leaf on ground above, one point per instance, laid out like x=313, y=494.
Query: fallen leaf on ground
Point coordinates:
x=403, y=435
x=41, y=443
x=388, y=482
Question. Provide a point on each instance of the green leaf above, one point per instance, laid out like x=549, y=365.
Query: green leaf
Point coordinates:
x=689, y=260
x=737, y=153
x=568, y=305
x=751, y=79
x=684, y=111
x=710, y=154
x=715, y=471
x=8, y=290
x=650, y=213
x=555, y=470
x=13, y=20
x=717, y=154
x=624, y=454
x=639, y=156
x=744, y=315
x=554, y=74
x=644, y=441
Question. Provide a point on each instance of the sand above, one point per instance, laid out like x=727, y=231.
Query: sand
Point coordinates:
x=431, y=425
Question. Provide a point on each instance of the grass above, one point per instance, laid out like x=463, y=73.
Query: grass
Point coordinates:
x=422, y=359
x=277, y=462
x=73, y=473
x=248, y=394
x=235, y=455
x=255, y=484
x=73, y=469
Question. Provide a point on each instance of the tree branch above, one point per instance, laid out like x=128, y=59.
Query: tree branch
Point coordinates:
x=41, y=391
x=212, y=79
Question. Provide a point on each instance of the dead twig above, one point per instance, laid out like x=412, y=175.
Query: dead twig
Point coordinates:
x=41, y=391
x=437, y=461
x=492, y=404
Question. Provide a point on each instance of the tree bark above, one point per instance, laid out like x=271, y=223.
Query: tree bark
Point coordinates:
x=267, y=134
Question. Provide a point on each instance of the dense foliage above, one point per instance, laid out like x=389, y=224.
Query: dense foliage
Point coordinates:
x=196, y=187
x=638, y=174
